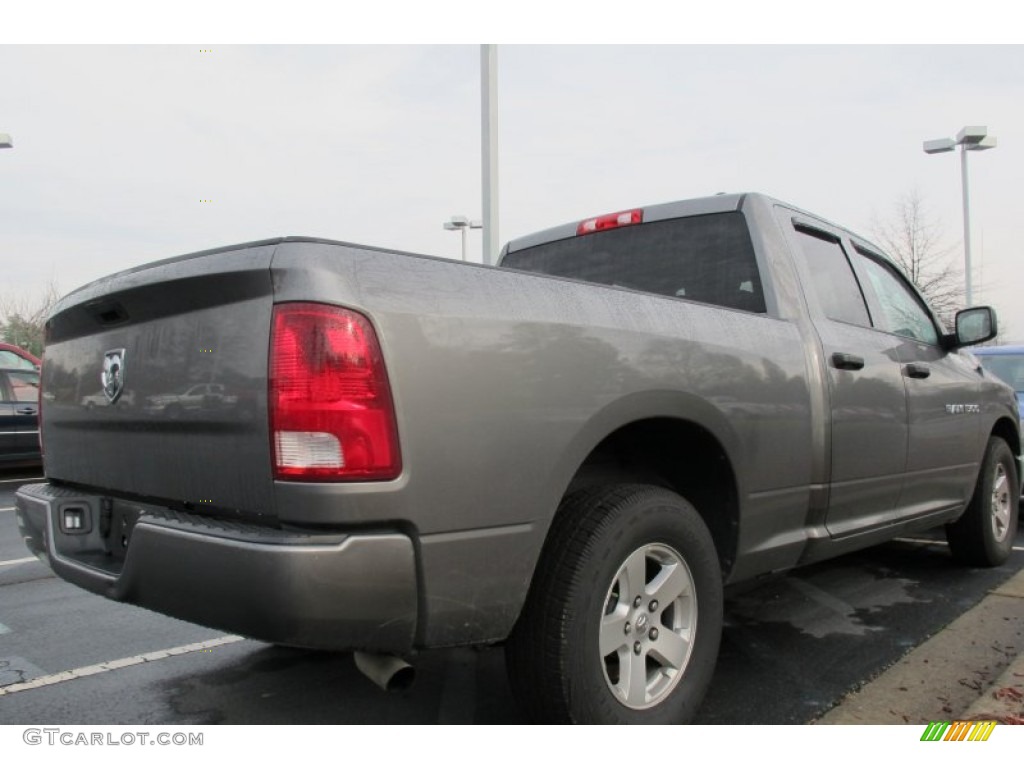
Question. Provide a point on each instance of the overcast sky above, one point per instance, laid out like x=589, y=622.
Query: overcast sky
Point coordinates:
x=116, y=148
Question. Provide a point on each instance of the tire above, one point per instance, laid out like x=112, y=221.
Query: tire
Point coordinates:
x=984, y=534
x=584, y=650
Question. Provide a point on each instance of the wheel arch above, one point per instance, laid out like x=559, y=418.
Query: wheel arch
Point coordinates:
x=1010, y=432
x=1006, y=429
x=983, y=535
x=669, y=439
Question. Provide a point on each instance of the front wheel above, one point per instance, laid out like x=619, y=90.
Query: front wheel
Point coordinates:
x=623, y=619
x=984, y=534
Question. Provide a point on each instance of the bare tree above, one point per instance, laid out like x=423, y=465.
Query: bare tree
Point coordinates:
x=22, y=317
x=914, y=239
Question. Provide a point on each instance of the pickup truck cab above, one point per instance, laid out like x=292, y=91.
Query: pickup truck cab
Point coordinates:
x=572, y=454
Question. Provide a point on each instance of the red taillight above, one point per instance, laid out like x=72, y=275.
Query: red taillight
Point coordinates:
x=610, y=221
x=331, y=413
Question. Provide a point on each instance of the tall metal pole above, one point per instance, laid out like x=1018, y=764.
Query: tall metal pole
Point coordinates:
x=489, y=146
x=967, y=222
x=972, y=138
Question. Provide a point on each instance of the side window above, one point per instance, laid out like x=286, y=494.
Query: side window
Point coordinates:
x=24, y=386
x=902, y=311
x=832, y=278
x=10, y=360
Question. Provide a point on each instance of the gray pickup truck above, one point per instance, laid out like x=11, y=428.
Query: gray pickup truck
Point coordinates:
x=572, y=454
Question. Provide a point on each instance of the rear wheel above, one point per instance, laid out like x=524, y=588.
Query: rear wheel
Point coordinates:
x=623, y=619
x=984, y=534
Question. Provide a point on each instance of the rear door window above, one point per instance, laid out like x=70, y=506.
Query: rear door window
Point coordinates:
x=835, y=285
x=708, y=258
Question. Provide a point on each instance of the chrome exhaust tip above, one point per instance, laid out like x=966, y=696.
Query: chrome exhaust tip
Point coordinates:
x=388, y=672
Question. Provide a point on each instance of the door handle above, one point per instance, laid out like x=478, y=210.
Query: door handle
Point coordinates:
x=918, y=371
x=847, y=362
x=26, y=411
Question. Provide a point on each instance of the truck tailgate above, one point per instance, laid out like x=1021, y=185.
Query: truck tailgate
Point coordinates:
x=155, y=383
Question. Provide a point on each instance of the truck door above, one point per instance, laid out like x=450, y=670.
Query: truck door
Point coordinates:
x=943, y=388
x=19, y=414
x=868, y=437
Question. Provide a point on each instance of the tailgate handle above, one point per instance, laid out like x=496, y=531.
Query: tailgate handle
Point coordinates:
x=918, y=371
x=847, y=362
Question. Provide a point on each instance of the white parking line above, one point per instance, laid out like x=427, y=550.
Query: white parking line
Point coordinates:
x=6, y=509
x=110, y=666
x=20, y=479
x=19, y=562
x=940, y=543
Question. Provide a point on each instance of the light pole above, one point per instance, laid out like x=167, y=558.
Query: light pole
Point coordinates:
x=462, y=223
x=489, y=146
x=5, y=141
x=972, y=138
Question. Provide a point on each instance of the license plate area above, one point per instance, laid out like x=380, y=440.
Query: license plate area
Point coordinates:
x=117, y=521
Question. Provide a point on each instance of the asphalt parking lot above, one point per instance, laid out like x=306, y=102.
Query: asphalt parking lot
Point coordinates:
x=791, y=648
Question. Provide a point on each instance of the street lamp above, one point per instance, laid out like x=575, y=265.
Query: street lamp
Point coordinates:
x=972, y=138
x=5, y=141
x=462, y=223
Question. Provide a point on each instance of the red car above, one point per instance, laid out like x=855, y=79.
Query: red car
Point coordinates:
x=16, y=357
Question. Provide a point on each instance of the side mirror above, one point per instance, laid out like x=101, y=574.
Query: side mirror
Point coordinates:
x=974, y=326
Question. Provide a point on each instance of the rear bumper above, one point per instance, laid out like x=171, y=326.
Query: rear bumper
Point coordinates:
x=336, y=591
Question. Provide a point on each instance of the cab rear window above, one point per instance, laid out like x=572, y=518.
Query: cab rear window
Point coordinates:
x=706, y=258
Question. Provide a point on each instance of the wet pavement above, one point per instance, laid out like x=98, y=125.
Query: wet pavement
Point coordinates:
x=791, y=649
